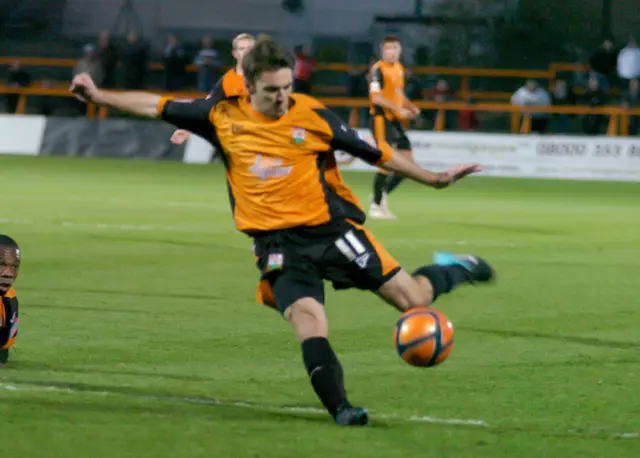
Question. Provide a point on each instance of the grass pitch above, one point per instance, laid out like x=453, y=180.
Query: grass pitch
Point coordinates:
x=140, y=335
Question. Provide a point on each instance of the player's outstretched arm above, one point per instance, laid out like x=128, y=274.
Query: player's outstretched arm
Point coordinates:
x=137, y=103
x=404, y=166
x=192, y=116
x=346, y=139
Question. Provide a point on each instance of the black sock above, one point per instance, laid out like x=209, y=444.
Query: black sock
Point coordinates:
x=325, y=373
x=379, y=183
x=393, y=181
x=339, y=374
x=444, y=279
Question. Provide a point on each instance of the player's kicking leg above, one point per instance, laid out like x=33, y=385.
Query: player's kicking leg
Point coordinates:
x=427, y=283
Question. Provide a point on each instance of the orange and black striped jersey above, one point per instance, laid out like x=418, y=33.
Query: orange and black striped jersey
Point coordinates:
x=231, y=84
x=281, y=173
x=387, y=79
x=8, y=320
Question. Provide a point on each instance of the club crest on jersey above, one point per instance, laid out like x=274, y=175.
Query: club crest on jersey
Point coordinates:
x=298, y=135
x=275, y=261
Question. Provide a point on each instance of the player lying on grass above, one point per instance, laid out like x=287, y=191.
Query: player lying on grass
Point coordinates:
x=231, y=83
x=287, y=194
x=9, y=270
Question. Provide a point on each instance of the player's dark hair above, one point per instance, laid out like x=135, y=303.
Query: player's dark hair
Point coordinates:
x=7, y=241
x=390, y=39
x=265, y=56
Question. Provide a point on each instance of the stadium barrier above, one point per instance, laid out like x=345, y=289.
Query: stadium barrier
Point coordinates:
x=520, y=116
x=505, y=155
x=465, y=74
x=524, y=156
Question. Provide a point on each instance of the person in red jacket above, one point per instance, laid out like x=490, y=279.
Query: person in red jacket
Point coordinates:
x=304, y=69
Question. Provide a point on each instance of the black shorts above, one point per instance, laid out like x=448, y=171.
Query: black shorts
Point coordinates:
x=293, y=263
x=389, y=132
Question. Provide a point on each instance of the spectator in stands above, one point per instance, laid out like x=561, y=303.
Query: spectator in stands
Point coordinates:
x=562, y=95
x=209, y=65
x=443, y=93
x=594, y=97
x=134, y=62
x=91, y=64
x=533, y=95
x=468, y=119
x=16, y=77
x=304, y=69
x=175, y=65
x=603, y=62
x=631, y=99
x=108, y=55
x=629, y=62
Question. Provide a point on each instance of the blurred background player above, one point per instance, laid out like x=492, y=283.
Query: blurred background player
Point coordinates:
x=9, y=269
x=231, y=83
x=389, y=108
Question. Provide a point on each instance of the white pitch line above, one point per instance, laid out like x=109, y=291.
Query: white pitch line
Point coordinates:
x=110, y=200
x=154, y=228
x=112, y=226
x=244, y=405
x=216, y=402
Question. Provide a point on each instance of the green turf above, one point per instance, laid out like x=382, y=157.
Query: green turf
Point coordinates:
x=140, y=334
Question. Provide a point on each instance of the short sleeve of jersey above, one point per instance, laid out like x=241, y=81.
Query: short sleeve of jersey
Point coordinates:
x=376, y=80
x=192, y=115
x=349, y=140
x=218, y=91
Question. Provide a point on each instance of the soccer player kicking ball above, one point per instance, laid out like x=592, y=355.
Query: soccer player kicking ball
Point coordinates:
x=287, y=194
x=231, y=83
x=9, y=270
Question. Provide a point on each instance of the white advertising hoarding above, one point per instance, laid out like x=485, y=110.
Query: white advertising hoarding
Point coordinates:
x=21, y=134
x=530, y=156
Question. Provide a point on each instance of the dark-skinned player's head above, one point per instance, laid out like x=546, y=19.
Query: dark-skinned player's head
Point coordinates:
x=268, y=73
x=391, y=49
x=9, y=262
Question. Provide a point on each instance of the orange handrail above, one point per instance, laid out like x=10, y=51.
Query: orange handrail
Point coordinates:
x=343, y=67
x=465, y=74
x=618, y=116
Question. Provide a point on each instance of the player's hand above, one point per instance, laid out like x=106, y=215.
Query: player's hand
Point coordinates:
x=180, y=136
x=84, y=88
x=406, y=113
x=453, y=174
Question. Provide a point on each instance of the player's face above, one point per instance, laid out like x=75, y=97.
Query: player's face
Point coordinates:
x=391, y=51
x=9, y=267
x=270, y=94
x=242, y=48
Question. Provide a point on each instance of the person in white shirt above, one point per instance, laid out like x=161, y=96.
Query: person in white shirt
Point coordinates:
x=629, y=61
x=533, y=95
